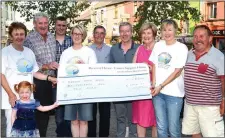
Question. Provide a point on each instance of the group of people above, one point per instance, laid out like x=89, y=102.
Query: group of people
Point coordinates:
x=175, y=72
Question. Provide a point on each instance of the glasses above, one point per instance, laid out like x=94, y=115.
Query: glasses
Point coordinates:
x=99, y=33
x=77, y=34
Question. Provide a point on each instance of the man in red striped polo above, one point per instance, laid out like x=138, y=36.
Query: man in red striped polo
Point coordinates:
x=204, y=87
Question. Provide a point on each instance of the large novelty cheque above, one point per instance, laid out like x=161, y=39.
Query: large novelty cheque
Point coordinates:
x=86, y=83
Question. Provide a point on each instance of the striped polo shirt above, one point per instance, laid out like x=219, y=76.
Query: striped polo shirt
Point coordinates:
x=201, y=78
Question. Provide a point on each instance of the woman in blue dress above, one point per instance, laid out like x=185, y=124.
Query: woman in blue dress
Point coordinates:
x=23, y=114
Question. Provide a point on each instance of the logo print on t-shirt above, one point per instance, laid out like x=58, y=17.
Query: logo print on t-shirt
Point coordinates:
x=164, y=60
x=71, y=70
x=24, y=65
x=74, y=60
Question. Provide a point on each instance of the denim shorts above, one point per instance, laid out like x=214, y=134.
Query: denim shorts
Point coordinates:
x=84, y=112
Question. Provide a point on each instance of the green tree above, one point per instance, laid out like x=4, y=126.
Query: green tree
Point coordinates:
x=156, y=11
x=69, y=9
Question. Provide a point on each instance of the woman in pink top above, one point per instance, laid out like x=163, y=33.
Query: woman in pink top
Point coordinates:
x=143, y=110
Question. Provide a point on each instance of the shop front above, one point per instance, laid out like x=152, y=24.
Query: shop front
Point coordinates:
x=219, y=39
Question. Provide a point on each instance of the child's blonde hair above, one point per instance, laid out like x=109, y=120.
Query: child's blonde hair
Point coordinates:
x=24, y=84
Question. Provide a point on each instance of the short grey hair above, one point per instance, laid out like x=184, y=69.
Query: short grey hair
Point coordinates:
x=125, y=24
x=40, y=15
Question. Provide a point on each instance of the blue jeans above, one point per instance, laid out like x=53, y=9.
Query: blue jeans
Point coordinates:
x=167, y=111
x=63, y=128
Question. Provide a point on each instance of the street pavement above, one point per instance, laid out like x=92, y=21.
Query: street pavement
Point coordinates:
x=52, y=126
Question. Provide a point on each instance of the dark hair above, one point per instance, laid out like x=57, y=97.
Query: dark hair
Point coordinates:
x=99, y=26
x=15, y=26
x=204, y=27
x=60, y=18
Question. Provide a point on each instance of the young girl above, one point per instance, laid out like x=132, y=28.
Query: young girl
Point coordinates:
x=23, y=114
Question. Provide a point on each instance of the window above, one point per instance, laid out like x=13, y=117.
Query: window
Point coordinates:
x=135, y=7
x=6, y=13
x=221, y=45
x=102, y=11
x=212, y=10
x=116, y=12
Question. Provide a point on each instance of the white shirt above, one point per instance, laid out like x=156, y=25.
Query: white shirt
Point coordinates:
x=85, y=54
x=166, y=60
x=16, y=66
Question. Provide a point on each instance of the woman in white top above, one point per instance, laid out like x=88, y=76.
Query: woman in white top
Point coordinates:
x=78, y=114
x=169, y=57
x=18, y=64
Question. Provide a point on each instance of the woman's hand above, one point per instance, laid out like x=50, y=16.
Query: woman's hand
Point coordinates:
x=12, y=99
x=80, y=62
x=156, y=90
x=149, y=66
x=55, y=104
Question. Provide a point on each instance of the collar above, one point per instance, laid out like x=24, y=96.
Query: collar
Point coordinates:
x=95, y=46
x=66, y=37
x=37, y=33
x=208, y=53
x=132, y=45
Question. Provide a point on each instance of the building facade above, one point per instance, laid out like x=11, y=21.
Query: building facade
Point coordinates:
x=7, y=17
x=213, y=17
x=109, y=14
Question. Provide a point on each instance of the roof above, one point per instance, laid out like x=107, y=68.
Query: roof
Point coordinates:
x=85, y=15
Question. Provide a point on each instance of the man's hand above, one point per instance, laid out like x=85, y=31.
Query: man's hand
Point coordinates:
x=222, y=108
x=52, y=79
x=53, y=65
x=12, y=99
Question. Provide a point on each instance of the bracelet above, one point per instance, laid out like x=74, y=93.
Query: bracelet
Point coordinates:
x=161, y=86
x=47, y=77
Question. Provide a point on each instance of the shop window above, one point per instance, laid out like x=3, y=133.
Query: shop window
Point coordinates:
x=212, y=10
x=222, y=45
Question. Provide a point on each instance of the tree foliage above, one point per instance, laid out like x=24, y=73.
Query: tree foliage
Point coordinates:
x=157, y=11
x=69, y=9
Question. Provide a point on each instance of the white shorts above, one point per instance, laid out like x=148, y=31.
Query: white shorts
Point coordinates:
x=202, y=119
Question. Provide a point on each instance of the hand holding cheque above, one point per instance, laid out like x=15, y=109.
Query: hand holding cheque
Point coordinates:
x=86, y=83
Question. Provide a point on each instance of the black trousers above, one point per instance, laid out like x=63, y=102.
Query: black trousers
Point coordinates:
x=63, y=127
x=104, y=122
x=43, y=93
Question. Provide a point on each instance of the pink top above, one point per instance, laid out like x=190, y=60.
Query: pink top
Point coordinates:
x=143, y=56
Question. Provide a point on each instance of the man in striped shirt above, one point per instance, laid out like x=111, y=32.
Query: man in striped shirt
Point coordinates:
x=204, y=87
